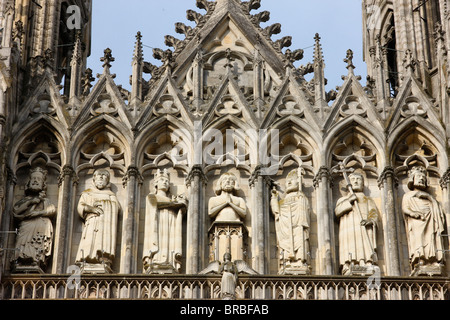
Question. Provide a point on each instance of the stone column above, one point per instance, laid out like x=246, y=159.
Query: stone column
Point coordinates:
x=445, y=185
x=387, y=182
x=61, y=252
x=7, y=238
x=195, y=181
x=325, y=253
x=260, y=216
x=128, y=261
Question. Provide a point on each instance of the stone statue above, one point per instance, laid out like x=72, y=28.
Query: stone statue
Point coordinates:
x=230, y=270
x=425, y=222
x=35, y=233
x=228, y=211
x=229, y=273
x=292, y=222
x=163, y=228
x=99, y=208
x=358, y=217
x=226, y=206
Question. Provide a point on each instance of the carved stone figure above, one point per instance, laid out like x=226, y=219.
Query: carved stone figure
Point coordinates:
x=99, y=208
x=163, y=228
x=292, y=222
x=358, y=217
x=228, y=211
x=425, y=222
x=230, y=270
x=229, y=273
x=226, y=206
x=35, y=232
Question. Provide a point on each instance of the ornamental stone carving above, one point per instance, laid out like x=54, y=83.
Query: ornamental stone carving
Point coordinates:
x=163, y=227
x=425, y=225
x=34, y=213
x=99, y=208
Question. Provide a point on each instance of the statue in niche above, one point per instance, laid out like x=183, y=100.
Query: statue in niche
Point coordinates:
x=163, y=227
x=425, y=222
x=99, y=208
x=35, y=233
x=358, y=217
x=228, y=232
x=228, y=212
x=226, y=206
x=292, y=222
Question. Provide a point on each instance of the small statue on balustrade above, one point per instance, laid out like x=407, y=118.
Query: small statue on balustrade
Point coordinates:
x=99, y=209
x=425, y=225
x=292, y=223
x=34, y=214
x=163, y=227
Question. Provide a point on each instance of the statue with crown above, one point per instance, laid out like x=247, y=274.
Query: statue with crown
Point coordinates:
x=163, y=227
x=33, y=213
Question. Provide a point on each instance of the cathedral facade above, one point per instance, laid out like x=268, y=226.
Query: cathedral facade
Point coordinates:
x=232, y=172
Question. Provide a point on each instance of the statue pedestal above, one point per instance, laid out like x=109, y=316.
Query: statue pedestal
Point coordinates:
x=295, y=270
x=227, y=237
x=429, y=270
x=357, y=270
x=160, y=269
x=17, y=268
x=91, y=268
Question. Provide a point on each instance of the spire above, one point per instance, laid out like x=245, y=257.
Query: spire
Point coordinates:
x=136, y=77
x=75, y=74
x=198, y=82
x=319, y=77
x=258, y=79
x=318, y=54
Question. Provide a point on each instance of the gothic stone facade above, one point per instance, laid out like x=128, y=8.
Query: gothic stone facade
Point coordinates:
x=200, y=116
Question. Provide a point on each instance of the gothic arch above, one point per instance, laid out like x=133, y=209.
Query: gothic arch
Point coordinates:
x=42, y=125
x=98, y=125
x=242, y=131
x=417, y=125
x=358, y=125
x=162, y=133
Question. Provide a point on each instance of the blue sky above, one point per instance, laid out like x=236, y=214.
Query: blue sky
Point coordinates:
x=339, y=24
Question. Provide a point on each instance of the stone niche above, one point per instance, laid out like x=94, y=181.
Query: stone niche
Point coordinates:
x=235, y=236
x=40, y=151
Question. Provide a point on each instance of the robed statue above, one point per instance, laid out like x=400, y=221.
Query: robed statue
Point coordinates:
x=292, y=222
x=99, y=209
x=34, y=214
x=163, y=227
x=358, y=217
x=425, y=225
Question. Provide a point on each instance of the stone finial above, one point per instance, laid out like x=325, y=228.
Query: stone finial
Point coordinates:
x=138, y=51
x=86, y=80
x=318, y=54
x=409, y=63
x=349, y=60
x=107, y=59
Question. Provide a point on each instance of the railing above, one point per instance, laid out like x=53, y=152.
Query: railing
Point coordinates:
x=198, y=287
